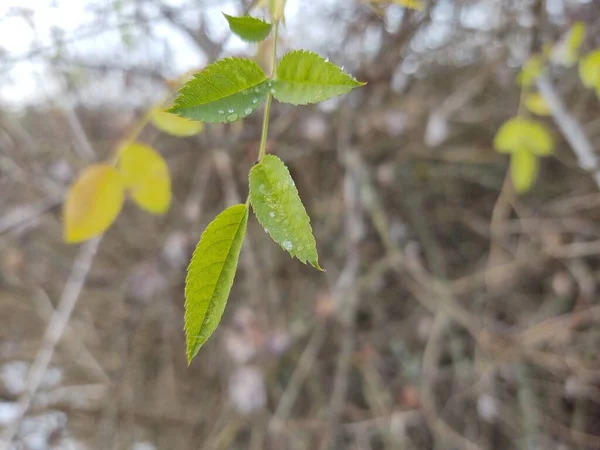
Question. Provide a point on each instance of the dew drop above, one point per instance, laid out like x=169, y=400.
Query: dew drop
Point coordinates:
x=230, y=110
x=255, y=101
x=221, y=111
x=256, y=89
x=271, y=214
x=270, y=83
x=232, y=117
x=247, y=111
x=273, y=90
x=326, y=59
x=287, y=245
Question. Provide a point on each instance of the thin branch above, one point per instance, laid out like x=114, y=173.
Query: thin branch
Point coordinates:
x=54, y=331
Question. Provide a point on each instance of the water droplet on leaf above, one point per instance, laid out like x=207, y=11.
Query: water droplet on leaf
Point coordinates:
x=232, y=117
x=287, y=245
x=221, y=111
x=271, y=214
x=247, y=111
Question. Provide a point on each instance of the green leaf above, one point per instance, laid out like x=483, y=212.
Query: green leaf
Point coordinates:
x=532, y=69
x=519, y=133
x=566, y=53
x=280, y=211
x=523, y=170
x=589, y=70
x=304, y=77
x=225, y=91
x=248, y=28
x=210, y=275
x=535, y=103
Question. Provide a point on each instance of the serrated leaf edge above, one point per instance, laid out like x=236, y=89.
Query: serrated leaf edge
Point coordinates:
x=192, y=354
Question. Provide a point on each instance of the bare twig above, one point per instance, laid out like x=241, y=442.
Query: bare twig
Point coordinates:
x=54, y=331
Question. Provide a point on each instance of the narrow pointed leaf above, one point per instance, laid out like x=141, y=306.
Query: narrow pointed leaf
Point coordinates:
x=174, y=125
x=146, y=176
x=304, y=77
x=210, y=275
x=589, y=70
x=280, y=211
x=225, y=91
x=248, y=28
x=523, y=170
x=93, y=203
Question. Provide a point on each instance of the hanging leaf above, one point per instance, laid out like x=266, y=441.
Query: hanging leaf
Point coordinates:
x=523, y=170
x=566, y=53
x=409, y=4
x=304, y=77
x=535, y=103
x=248, y=28
x=174, y=125
x=210, y=275
x=146, y=176
x=589, y=70
x=93, y=203
x=519, y=133
x=225, y=91
x=280, y=211
x=531, y=70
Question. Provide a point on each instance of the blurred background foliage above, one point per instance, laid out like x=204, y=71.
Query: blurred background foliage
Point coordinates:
x=454, y=314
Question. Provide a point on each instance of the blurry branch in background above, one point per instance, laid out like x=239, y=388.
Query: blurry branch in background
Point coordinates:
x=570, y=128
x=54, y=331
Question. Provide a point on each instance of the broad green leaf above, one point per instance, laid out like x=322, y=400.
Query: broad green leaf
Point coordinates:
x=566, y=52
x=531, y=70
x=146, y=176
x=519, y=133
x=248, y=28
x=280, y=211
x=93, y=203
x=174, y=125
x=210, y=275
x=225, y=91
x=535, y=103
x=523, y=170
x=589, y=70
x=304, y=77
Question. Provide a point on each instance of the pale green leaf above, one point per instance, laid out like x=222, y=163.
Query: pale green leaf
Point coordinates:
x=532, y=69
x=93, y=203
x=304, y=77
x=535, y=103
x=523, y=170
x=225, y=91
x=146, y=176
x=210, y=275
x=248, y=28
x=520, y=133
x=174, y=125
x=566, y=52
x=280, y=211
x=589, y=70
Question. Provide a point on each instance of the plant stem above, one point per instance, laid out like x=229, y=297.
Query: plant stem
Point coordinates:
x=265, y=127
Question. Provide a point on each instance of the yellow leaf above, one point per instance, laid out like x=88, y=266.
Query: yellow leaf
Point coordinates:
x=589, y=70
x=536, y=104
x=523, y=170
x=93, y=203
x=173, y=124
x=146, y=176
x=531, y=70
x=566, y=52
x=519, y=133
x=410, y=4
